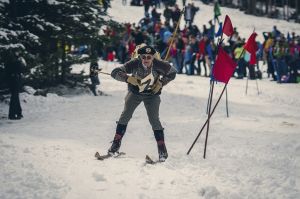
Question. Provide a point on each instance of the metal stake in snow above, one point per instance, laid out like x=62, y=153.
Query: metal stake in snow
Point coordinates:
x=226, y=82
x=209, y=115
x=208, y=99
x=251, y=47
x=212, y=83
x=247, y=84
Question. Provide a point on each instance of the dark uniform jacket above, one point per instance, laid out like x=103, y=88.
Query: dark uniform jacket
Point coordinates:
x=160, y=70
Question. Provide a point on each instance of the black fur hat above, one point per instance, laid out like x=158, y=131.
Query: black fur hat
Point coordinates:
x=146, y=50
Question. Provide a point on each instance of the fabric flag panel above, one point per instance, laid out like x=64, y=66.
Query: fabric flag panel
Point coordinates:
x=219, y=33
x=224, y=67
x=227, y=28
x=251, y=47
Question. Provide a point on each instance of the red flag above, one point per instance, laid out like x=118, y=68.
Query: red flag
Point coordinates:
x=224, y=67
x=252, y=59
x=227, y=28
x=251, y=47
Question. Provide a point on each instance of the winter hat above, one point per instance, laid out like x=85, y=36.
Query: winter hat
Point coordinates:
x=146, y=50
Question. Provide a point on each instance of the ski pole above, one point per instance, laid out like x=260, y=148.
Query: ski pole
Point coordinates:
x=104, y=73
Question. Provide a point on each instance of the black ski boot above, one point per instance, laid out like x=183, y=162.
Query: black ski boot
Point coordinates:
x=116, y=144
x=162, y=150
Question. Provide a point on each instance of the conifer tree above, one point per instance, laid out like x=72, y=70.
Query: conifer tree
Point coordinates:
x=46, y=29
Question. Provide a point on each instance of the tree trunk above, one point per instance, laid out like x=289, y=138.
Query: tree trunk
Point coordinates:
x=251, y=7
x=57, y=66
x=63, y=62
x=270, y=7
x=227, y=2
x=286, y=6
x=297, y=10
x=243, y=4
x=283, y=9
x=267, y=7
x=13, y=9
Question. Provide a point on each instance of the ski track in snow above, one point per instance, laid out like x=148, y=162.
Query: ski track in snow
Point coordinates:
x=252, y=154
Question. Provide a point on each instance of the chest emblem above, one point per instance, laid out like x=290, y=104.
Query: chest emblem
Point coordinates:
x=146, y=83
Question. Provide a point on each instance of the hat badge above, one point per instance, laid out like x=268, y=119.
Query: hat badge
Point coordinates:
x=148, y=50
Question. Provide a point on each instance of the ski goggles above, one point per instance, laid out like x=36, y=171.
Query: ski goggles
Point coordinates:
x=146, y=57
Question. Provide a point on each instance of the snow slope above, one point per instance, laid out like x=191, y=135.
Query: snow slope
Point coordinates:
x=245, y=23
x=252, y=154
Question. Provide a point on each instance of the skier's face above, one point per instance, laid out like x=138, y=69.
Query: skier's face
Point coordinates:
x=147, y=60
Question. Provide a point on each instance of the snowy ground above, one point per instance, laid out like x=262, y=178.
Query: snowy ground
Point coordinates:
x=252, y=154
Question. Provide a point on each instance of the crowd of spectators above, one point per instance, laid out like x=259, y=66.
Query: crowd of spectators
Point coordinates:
x=193, y=50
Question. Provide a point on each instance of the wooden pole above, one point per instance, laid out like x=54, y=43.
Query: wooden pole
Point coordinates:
x=174, y=34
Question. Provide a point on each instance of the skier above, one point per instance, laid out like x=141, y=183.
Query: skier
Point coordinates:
x=94, y=69
x=149, y=75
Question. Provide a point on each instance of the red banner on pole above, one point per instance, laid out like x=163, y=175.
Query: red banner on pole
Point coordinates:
x=227, y=28
x=224, y=67
x=251, y=47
